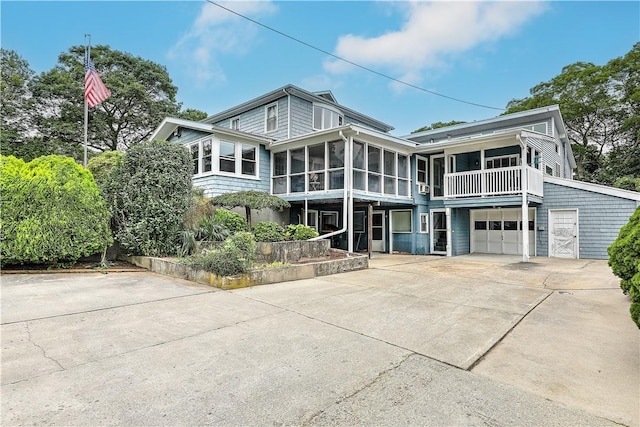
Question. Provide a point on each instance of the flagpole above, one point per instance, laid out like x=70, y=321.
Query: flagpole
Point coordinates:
x=87, y=55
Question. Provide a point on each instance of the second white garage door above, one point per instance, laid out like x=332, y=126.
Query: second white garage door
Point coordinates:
x=499, y=231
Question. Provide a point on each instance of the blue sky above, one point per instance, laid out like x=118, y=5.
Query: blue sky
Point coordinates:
x=482, y=52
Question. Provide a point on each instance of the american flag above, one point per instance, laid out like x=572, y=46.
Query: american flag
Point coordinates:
x=94, y=90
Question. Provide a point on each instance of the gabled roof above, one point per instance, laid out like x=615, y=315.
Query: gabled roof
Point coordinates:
x=325, y=97
x=346, y=130
x=169, y=125
x=520, y=118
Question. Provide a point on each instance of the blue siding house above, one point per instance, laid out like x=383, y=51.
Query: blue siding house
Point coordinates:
x=499, y=186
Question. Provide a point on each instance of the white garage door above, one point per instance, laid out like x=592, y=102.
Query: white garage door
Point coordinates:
x=499, y=231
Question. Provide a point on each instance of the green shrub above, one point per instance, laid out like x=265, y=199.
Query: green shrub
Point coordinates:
x=209, y=229
x=231, y=220
x=52, y=212
x=236, y=257
x=102, y=165
x=624, y=259
x=200, y=207
x=268, y=231
x=300, y=232
x=243, y=245
x=149, y=193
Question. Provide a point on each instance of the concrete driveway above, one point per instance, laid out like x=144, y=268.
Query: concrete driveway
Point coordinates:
x=411, y=341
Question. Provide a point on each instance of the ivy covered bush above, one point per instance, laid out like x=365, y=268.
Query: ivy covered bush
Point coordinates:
x=235, y=257
x=149, y=193
x=268, y=231
x=300, y=232
x=624, y=259
x=52, y=212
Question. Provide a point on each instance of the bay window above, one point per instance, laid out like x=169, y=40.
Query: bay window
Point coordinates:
x=227, y=156
x=212, y=156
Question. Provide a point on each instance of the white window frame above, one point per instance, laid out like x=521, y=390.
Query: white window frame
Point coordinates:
x=255, y=161
x=426, y=170
x=431, y=177
x=215, y=158
x=266, y=117
x=314, y=215
x=424, y=221
x=332, y=214
x=505, y=156
x=391, y=225
x=323, y=120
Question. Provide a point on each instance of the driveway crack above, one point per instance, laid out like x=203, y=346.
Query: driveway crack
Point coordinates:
x=378, y=377
x=44, y=352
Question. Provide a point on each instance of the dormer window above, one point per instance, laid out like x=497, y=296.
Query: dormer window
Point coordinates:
x=325, y=117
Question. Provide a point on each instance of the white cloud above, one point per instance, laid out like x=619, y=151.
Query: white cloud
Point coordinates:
x=432, y=31
x=217, y=32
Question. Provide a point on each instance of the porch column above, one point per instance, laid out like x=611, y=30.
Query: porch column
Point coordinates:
x=483, y=177
x=525, y=206
x=449, y=231
x=348, y=183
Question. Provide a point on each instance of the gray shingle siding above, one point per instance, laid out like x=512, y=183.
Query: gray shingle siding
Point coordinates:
x=188, y=136
x=600, y=217
x=253, y=121
x=460, y=232
x=301, y=116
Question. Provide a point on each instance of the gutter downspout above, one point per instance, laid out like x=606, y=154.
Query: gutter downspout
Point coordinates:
x=525, y=205
x=345, y=222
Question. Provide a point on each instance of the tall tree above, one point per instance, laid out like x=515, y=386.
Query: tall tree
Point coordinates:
x=16, y=108
x=438, y=125
x=599, y=105
x=193, y=115
x=142, y=94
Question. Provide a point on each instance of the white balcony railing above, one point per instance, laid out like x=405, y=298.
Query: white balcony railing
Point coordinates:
x=491, y=182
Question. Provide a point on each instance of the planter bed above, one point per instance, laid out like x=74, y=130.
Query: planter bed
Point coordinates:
x=335, y=261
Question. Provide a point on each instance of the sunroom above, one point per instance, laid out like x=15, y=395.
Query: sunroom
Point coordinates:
x=331, y=174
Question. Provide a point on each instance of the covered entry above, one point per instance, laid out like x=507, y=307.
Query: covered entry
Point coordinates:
x=499, y=231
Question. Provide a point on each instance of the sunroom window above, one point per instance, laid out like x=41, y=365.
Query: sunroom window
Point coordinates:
x=280, y=173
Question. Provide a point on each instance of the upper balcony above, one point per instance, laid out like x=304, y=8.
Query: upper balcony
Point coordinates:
x=493, y=182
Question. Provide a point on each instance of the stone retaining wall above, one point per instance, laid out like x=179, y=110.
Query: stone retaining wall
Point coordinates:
x=171, y=267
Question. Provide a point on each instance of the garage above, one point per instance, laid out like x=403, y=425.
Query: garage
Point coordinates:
x=499, y=231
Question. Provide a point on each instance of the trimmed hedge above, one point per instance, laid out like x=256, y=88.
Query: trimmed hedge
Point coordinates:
x=624, y=259
x=149, y=193
x=52, y=212
x=268, y=231
x=300, y=232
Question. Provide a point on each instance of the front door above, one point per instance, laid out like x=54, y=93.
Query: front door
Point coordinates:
x=377, y=234
x=439, y=232
x=563, y=233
